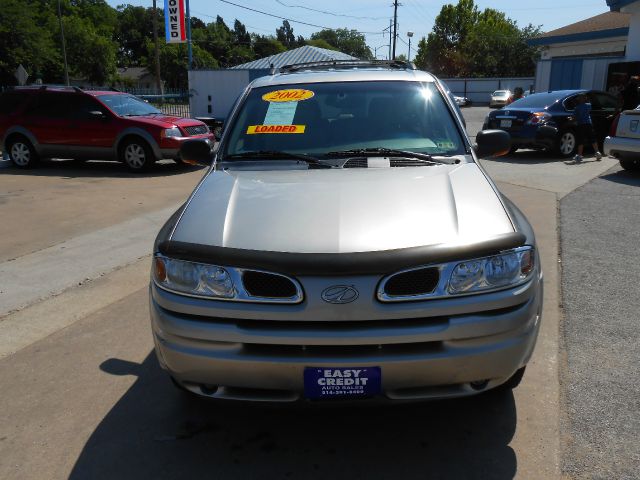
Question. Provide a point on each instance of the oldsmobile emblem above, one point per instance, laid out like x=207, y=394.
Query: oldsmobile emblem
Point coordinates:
x=339, y=294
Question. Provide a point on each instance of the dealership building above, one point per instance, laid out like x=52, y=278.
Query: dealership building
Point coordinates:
x=601, y=52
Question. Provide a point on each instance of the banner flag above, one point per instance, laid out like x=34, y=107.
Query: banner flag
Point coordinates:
x=175, y=29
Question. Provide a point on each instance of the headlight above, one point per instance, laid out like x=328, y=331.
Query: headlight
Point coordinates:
x=171, y=132
x=193, y=278
x=510, y=268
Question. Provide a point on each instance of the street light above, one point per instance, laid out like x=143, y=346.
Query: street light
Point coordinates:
x=375, y=50
x=409, y=34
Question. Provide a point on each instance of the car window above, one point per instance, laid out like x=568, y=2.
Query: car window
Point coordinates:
x=318, y=118
x=127, y=105
x=604, y=101
x=52, y=105
x=570, y=103
x=10, y=101
x=537, y=100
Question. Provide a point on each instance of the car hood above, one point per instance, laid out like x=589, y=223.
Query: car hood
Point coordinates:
x=343, y=210
x=166, y=121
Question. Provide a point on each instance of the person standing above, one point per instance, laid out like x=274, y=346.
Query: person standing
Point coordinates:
x=518, y=93
x=586, y=134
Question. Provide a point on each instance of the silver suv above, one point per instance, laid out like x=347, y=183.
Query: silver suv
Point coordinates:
x=345, y=244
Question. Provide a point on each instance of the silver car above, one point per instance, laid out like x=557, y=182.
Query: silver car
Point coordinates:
x=345, y=244
x=499, y=98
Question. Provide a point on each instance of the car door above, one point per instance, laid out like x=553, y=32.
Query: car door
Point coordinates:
x=604, y=108
x=47, y=118
x=93, y=127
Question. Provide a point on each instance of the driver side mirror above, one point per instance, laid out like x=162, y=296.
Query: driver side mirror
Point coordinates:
x=492, y=143
x=197, y=151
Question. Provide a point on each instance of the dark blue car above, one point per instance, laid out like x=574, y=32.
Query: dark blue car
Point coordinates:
x=547, y=120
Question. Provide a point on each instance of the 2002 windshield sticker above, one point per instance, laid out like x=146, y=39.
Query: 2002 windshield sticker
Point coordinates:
x=282, y=108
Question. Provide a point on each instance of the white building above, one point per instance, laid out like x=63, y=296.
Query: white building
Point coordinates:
x=601, y=52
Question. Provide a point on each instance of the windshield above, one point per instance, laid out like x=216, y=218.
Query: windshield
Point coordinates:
x=537, y=100
x=500, y=93
x=319, y=118
x=125, y=104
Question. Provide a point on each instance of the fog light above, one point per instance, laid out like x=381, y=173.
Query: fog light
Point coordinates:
x=479, y=384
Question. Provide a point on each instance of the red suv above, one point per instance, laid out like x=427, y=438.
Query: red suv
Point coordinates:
x=68, y=122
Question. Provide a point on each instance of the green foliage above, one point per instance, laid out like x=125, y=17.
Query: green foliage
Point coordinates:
x=466, y=42
x=347, y=41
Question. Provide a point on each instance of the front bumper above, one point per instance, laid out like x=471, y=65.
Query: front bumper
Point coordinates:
x=170, y=147
x=429, y=349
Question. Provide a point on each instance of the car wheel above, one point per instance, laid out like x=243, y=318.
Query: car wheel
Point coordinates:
x=630, y=164
x=22, y=153
x=513, y=150
x=514, y=380
x=136, y=155
x=567, y=143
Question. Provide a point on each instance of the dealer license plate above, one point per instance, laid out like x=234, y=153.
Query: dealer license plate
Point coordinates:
x=352, y=382
x=505, y=123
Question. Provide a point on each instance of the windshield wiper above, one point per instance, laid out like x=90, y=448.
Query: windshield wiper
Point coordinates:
x=278, y=155
x=386, y=152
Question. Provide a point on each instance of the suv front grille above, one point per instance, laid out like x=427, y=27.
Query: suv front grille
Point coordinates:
x=393, y=162
x=413, y=282
x=196, y=130
x=268, y=285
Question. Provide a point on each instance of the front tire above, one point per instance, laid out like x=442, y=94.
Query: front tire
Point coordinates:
x=136, y=154
x=22, y=153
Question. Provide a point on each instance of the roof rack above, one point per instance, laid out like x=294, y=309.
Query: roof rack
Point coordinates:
x=346, y=64
x=45, y=86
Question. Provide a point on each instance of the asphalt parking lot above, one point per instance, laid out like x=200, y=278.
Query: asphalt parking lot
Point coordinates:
x=83, y=396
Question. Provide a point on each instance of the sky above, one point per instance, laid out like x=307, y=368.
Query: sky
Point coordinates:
x=373, y=16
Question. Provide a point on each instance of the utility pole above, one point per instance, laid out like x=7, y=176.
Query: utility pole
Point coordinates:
x=157, y=51
x=395, y=26
x=390, y=32
x=64, y=48
x=189, y=53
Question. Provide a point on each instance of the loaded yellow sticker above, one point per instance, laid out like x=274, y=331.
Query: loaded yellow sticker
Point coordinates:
x=257, y=129
x=289, y=95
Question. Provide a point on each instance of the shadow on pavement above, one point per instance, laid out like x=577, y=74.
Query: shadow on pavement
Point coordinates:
x=624, y=177
x=155, y=431
x=97, y=168
x=530, y=157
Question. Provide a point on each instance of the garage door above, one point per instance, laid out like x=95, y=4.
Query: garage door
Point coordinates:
x=566, y=74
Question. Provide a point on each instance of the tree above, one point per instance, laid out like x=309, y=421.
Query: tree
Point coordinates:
x=321, y=43
x=134, y=27
x=240, y=35
x=285, y=35
x=36, y=46
x=347, y=41
x=467, y=42
x=264, y=46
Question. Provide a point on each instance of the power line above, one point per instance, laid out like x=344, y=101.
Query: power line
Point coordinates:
x=285, y=18
x=329, y=13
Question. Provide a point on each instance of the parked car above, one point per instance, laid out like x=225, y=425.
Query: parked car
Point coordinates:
x=499, y=98
x=63, y=122
x=547, y=120
x=624, y=141
x=462, y=101
x=345, y=243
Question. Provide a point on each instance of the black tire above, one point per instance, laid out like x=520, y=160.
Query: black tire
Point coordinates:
x=515, y=379
x=22, y=153
x=136, y=154
x=630, y=164
x=513, y=150
x=567, y=143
